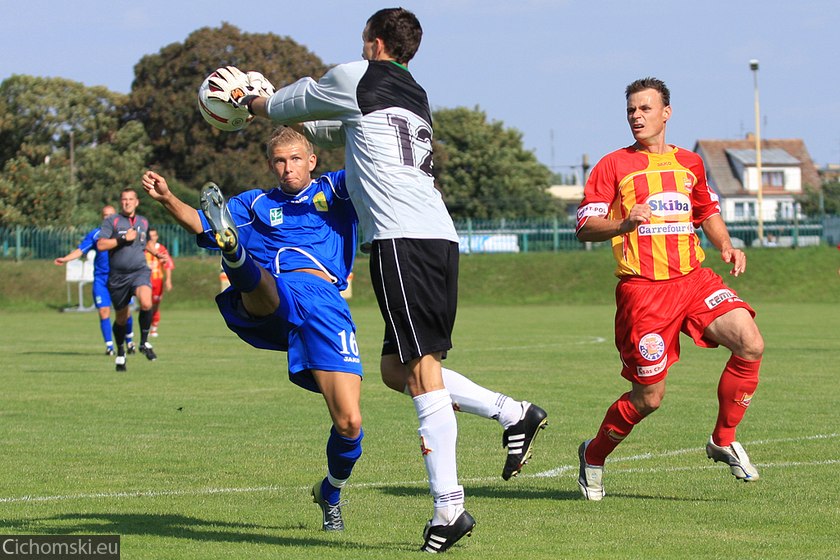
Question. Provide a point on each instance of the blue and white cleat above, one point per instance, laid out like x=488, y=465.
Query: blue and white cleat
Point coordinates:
x=331, y=519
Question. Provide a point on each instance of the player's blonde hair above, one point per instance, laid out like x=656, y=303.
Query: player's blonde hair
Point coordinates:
x=287, y=136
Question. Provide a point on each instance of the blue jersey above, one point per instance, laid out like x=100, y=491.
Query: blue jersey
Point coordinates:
x=315, y=228
x=100, y=262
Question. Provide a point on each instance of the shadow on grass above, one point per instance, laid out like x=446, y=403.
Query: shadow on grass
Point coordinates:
x=60, y=353
x=180, y=527
x=525, y=493
x=489, y=491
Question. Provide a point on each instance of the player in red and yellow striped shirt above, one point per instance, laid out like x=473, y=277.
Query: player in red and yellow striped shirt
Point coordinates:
x=648, y=199
x=162, y=265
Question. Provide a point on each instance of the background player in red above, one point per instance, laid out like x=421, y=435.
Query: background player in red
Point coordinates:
x=648, y=199
x=161, y=264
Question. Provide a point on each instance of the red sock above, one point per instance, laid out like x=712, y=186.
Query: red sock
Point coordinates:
x=735, y=391
x=619, y=421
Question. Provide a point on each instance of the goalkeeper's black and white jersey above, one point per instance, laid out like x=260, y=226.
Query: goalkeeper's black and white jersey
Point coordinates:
x=382, y=116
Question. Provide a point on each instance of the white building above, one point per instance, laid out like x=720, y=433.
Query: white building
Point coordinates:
x=786, y=169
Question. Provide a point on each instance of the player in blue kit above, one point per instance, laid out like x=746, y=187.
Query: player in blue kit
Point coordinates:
x=287, y=252
x=101, y=296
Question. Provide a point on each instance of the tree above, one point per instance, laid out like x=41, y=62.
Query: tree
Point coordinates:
x=41, y=121
x=38, y=115
x=36, y=195
x=164, y=94
x=830, y=203
x=483, y=171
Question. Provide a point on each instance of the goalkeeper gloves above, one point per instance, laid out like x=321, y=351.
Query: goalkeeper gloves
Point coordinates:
x=230, y=85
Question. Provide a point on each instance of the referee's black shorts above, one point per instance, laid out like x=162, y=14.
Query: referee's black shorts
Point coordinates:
x=416, y=285
x=122, y=286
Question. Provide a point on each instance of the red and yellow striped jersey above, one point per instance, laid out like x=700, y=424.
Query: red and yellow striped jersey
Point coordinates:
x=156, y=265
x=674, y=185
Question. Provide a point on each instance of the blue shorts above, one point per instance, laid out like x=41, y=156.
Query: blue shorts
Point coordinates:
x=313, y=325
x=101, y=295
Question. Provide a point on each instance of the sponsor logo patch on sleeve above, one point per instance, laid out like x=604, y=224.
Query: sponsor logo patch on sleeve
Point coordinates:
x=594, y=209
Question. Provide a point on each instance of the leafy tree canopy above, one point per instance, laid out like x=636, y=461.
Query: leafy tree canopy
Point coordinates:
x=164, y=97
x=37, y=116
x=816, y=202
x=483, y=170
x=480, y=167
x=43, y=120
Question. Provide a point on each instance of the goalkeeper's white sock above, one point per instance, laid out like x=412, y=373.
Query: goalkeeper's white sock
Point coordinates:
x=438, y=436
x=468, y=396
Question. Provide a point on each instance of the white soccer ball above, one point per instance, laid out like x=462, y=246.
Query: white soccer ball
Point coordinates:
x=220, y=114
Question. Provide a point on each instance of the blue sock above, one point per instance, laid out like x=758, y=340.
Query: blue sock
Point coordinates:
x=105, y=326
x=242, y=272
x=342, y=454
x=129, y=330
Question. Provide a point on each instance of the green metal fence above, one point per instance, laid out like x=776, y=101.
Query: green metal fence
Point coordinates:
x=477, y=236
x=28, y=242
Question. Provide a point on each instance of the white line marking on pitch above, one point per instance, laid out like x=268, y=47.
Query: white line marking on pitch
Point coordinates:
x=586, y=340
x=566, y=468
x=545, y=474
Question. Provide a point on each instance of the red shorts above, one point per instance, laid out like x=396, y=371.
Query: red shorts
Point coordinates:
x=651, y=314
x=157, y=290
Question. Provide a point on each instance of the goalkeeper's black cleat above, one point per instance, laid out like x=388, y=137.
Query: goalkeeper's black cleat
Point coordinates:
x=119, y=363
x=218, y=216
x=438, y=538
x=519, y=438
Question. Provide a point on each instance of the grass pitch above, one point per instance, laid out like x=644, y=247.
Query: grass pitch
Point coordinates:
x=210, y=451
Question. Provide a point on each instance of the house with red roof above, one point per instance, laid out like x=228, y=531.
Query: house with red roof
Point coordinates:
x=786, y=169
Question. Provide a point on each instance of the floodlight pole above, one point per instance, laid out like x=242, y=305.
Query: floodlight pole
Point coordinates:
x=754, y=68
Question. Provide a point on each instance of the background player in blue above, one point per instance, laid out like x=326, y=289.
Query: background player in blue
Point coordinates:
x=304, y=232
x=382, y=116
x=101, y=297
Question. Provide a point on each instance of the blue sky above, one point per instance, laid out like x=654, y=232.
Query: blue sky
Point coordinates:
x=555, y=70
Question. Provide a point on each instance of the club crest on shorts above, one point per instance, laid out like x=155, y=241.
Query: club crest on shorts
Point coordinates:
x=651, y=347
x=275, y=216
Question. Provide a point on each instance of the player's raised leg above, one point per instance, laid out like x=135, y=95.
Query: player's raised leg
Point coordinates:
x=520, y=420
x=259, y=292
